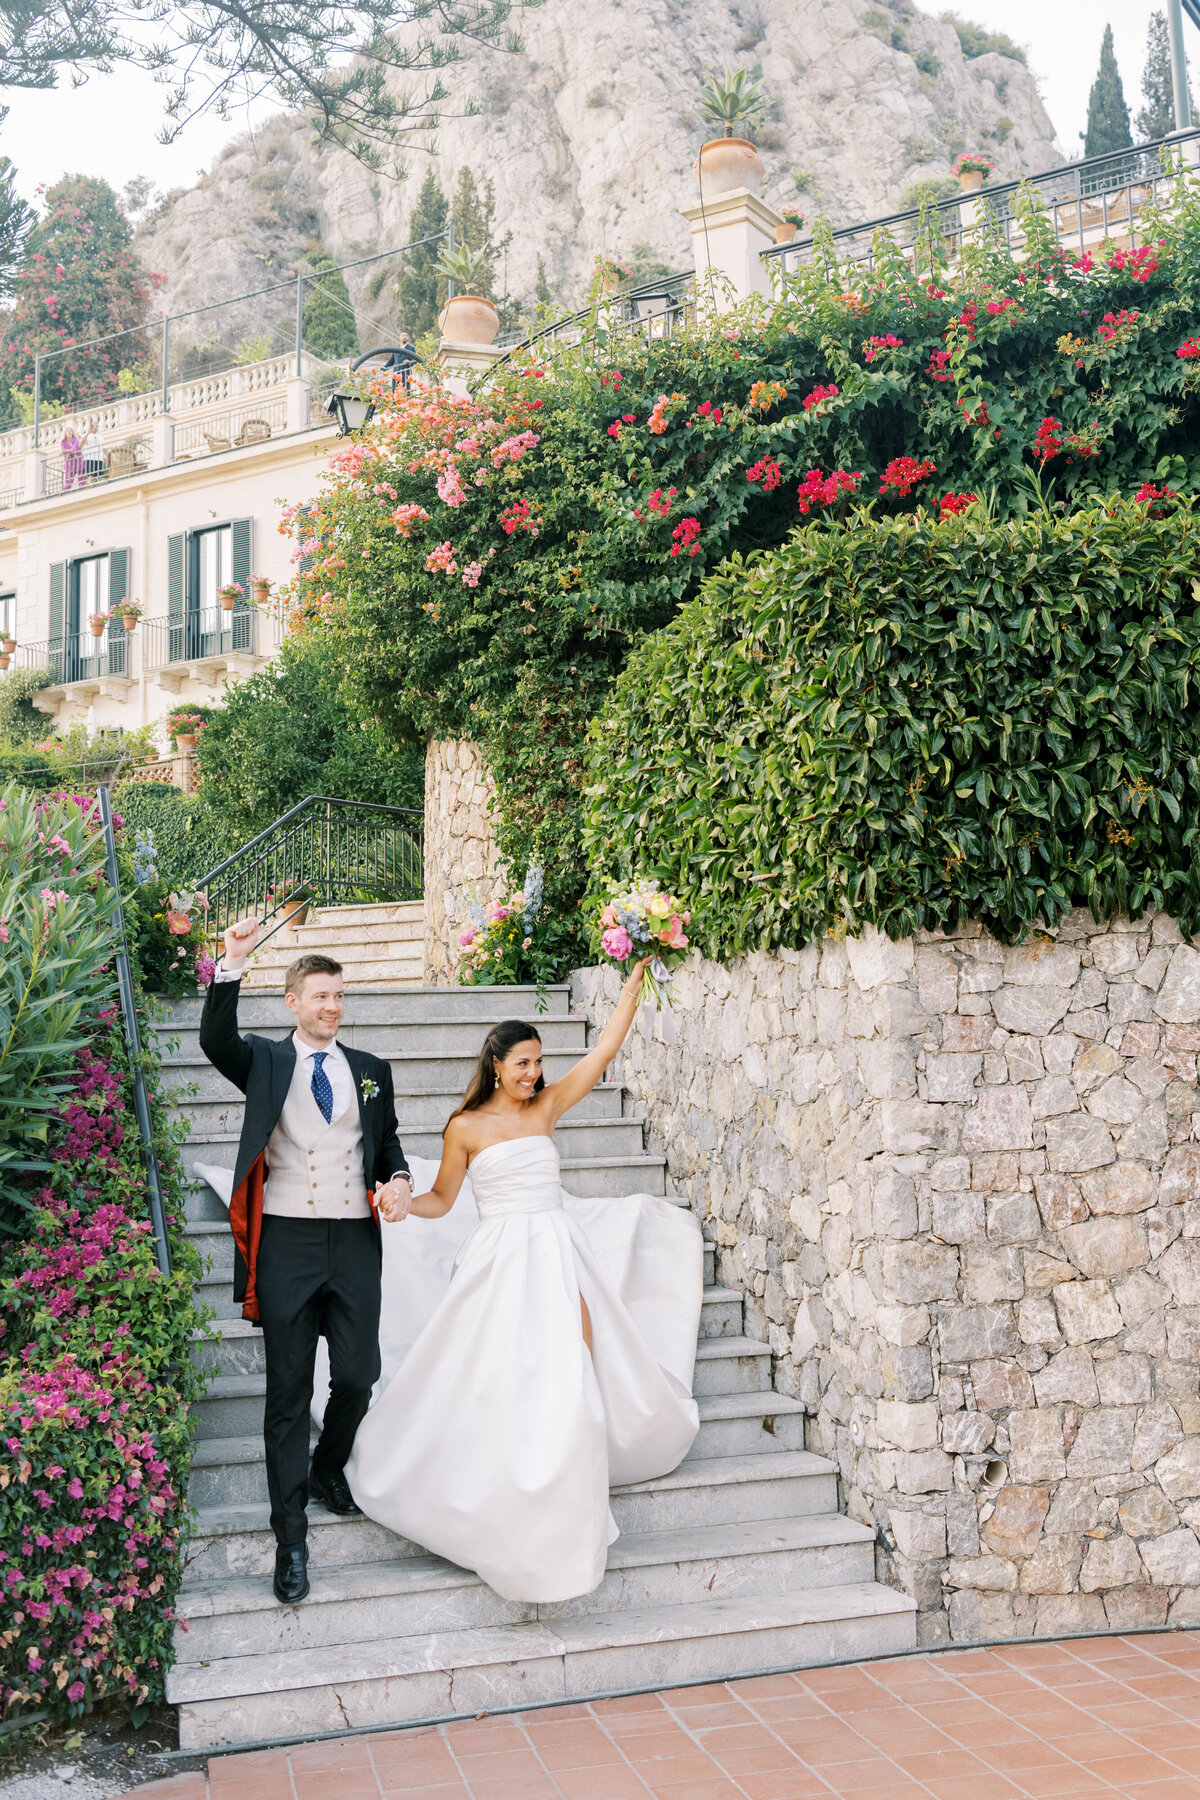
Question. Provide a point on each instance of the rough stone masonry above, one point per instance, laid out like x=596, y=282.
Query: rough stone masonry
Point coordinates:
x=960, y=1183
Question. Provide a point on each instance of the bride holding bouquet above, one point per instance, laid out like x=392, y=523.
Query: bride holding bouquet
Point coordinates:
x=559, y=1360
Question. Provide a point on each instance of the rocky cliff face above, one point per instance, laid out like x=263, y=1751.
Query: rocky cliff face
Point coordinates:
x=589, y=137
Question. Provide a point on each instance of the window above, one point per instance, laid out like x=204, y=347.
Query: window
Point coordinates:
x=80, y=590
x=88, y=593
x=8, y=615
x=212, y=567
x=199, y=564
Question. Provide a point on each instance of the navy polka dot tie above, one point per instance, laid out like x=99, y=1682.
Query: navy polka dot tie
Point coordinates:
x=322, y=1091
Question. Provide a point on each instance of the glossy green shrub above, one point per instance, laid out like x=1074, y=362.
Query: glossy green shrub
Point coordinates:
x=911, y=722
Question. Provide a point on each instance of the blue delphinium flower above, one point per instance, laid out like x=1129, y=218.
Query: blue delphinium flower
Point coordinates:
x=533, y=888
x=145, y=858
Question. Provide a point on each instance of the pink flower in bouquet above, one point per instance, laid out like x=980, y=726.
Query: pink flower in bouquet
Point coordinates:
x=467, y=938
x=673, y=936
x=609, y=916
x=617, y=943
x=178, y=924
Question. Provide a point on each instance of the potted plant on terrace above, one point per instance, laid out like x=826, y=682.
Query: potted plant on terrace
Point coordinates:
x=98, y=623
x=9, y=643
x=262, y=589
x=972, y=169
x=185, y=725
x=728, y=162
x=786, y=232
x=129, y=611
x=229, y=595
x=291, y=899
x=468, y=317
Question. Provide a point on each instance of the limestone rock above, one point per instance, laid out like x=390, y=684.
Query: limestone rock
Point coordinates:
x=1016, y=1525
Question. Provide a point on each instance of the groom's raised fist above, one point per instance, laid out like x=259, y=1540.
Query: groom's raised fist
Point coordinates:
x=240, y=940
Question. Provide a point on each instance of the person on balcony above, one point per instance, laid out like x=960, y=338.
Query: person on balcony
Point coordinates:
x=72, y=463
x=95, y=455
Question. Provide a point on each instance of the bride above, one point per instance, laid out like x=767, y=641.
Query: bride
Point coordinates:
x=559, y=1360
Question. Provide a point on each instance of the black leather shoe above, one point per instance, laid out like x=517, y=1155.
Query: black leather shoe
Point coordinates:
x=330, y=1488
x=291, y=1573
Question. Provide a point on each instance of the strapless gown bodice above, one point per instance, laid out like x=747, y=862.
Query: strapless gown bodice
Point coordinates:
x=497, y=1437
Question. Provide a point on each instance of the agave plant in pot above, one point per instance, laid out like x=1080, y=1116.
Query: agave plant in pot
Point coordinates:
x=728, y=162
x=468, y=317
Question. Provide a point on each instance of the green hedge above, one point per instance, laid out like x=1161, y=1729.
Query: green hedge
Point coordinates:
x=910, y=722
x=190, y=835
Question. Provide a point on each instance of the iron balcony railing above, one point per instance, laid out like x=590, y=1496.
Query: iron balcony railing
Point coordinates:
x=656, y=309
x=1083, y=202
x=194, y=636
x=81, y=657
x=326, y=852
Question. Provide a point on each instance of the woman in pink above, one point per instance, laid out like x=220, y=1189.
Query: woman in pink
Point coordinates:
x=72, y=455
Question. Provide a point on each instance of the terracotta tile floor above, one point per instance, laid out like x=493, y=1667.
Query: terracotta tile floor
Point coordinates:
x=1081, y=1720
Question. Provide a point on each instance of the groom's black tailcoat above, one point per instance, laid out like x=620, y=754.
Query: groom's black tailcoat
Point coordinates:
x=302, y=1279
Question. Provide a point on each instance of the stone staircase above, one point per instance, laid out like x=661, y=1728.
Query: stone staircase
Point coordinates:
x=380, y=946
x=736, y=1562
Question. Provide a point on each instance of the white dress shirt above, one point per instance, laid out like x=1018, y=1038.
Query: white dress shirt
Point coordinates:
x=336, y=1067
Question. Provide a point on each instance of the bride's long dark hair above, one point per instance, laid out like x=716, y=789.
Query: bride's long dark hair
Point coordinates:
x=496, y=1045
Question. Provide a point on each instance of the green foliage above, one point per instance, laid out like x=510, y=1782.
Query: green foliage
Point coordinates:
x=419, y=288
x=56, y=926
x=501, y=604
x=288, y=732
x=166, y=937
x=20, y=720
x=1108, y=115
x=78, y=279
x=191, y=836
x=470, y=270
x=732, y=98
x=909, y=723
x=930, y=191
x=66, y=759
x=1157, y=117
x=16, y=221
x=976, y=41
x=329, y=327
x=473, y=209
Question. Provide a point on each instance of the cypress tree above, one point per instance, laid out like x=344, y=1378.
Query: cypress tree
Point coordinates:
x=419, y=289
x=1108, y=115
x=329, y=327
x=1157, y=117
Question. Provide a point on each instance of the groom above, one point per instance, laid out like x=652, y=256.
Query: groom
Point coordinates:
x=318, y=1157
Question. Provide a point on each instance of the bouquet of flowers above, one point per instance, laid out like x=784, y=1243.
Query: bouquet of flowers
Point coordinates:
x=499, y=947
x=646, y=922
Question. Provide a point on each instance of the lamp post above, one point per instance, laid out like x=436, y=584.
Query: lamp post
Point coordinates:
x=351, y=411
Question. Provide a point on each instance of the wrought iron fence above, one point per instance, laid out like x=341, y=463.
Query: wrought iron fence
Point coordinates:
x=194, y=636
x=1084, y=203
x=91, y=465
x=325, y=851
x=81, y=657
x=657, y=309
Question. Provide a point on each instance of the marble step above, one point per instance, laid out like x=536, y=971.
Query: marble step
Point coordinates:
x=730, y=1424
x=395, y=944
x=233, y=1537
x=606, y=1139
x=390, y=1681
x=587, y=1177
x=413, y=1594
x=399, y=1039
x=724, y=1365
x=365, y=1006
x=369, y=912
x=417, y=1073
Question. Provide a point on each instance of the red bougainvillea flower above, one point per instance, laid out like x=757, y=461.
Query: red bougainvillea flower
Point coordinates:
x=950, y=504
x=611, y=378
x=1189, y=347
x=520, y=516
x=979, y=417
x=1156, y=498
x=660, y=500
x=1140, y=264
x=1048, y=441
x=875, y=346
x=706, y=410
x=822, y=490
x=1113, y=324
x=818, y=395
x=685, y=535
x=936, y=366
x=765, y=471
x=904, y=472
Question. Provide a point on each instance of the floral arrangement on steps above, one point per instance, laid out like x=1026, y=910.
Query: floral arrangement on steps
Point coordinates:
x=514, y=941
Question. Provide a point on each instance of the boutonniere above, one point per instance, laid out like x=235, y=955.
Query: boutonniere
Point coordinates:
x=368, y=1088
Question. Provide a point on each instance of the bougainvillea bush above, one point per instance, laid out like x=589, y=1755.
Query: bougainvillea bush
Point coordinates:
x=485, y=566
x=912, y=722
x=95, y=1376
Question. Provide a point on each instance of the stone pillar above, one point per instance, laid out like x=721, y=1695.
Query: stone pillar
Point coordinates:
x=461, y=859
x=465, y=361
x=297, y=404
x=35, y=475
x=162, y=442
x=729, y=234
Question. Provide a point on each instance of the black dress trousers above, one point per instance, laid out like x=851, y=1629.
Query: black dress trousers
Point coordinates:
x=315, y=1278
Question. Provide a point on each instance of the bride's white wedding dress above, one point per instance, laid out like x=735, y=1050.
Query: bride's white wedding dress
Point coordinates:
x=496, y=1441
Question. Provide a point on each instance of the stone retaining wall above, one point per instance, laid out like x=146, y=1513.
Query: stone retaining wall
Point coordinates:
x=961, y=1185
x=461, y=860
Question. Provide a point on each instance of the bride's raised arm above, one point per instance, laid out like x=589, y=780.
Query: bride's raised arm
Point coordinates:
x=449, y=1179
x=560, y=1096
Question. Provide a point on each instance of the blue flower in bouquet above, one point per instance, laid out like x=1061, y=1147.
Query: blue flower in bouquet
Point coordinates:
x=145, y=858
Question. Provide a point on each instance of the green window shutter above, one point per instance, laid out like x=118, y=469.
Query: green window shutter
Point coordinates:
x=58, y=619
x=176, y=595
x=243, y=618
x=118, y=589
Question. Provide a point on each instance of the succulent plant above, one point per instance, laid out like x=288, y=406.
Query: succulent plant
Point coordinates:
x=734, y=98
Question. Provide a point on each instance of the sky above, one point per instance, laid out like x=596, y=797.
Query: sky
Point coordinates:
x=109, y=125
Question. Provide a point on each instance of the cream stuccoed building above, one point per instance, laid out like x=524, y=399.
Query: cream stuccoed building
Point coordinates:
x=165, y=505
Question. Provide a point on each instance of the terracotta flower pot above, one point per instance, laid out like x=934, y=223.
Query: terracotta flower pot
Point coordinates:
x=971, y=180
x=292, y=912
x=726, y=163
x=5, y=659
x=468, y=319
x=785, y=233
x=262, y=592
x=185, y=741
x=228, y=602
x=129, y=620
x=98, y=626
x=10, y=644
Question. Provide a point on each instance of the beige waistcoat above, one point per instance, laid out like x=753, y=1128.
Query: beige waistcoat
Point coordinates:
x=315, y=1170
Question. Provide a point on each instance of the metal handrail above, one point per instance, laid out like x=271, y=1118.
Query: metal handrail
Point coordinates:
x=668, y=288
x=324, y=851
x=1089, y=180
